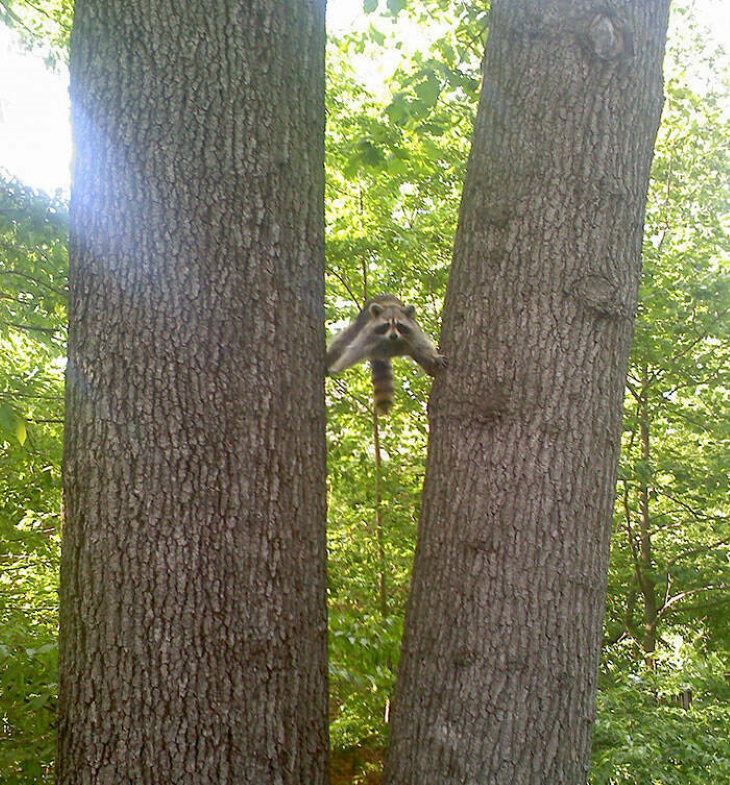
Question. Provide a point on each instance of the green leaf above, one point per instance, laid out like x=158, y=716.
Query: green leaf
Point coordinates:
x=397, y=109
x=13, y=423
x=428, y=90
x=376, y=35
x=395, y=6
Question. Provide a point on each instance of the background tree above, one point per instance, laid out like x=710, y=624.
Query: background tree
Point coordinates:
x=503, y=629
x=193, y=625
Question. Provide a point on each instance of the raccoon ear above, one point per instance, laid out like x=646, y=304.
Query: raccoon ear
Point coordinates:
x=375, y=309
x=410, y=311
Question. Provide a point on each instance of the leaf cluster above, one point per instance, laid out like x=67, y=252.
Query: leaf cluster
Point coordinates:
x=33, y=263
x=43, y=24
x=667, y=727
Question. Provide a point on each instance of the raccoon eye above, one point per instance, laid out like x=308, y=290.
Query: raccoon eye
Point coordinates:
x=381, y=329
x=403, y=329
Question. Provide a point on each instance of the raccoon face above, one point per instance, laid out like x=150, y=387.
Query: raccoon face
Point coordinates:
x=392, y=324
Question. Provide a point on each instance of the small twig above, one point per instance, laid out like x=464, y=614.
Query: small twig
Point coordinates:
x=344, y=283
x=59, y=292
x=679, y=597
x=45, y=13
x=13, y=396
x=29, y=328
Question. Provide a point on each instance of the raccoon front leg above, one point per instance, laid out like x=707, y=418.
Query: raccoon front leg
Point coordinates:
x=428, y=357
x=346, y=350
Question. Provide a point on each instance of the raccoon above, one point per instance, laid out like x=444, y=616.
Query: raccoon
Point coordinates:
x=384, y=328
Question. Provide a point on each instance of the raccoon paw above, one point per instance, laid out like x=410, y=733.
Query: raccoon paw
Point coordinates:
x=437, y=364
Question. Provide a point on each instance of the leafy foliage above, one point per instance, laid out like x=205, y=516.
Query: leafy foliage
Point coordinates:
x=395, y=167
x=679, y=369
x=32, y=336
x=643, y=734
x=45, y=25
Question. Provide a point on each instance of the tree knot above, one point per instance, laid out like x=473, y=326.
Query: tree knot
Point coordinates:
x=607, y=40
x=600, y=294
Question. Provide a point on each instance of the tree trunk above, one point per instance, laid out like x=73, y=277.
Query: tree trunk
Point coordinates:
x=193, y=622
x=503, y=629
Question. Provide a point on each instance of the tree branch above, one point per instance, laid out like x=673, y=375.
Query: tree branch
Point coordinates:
x=29, y=328
x=679, y=597
x=38, y=281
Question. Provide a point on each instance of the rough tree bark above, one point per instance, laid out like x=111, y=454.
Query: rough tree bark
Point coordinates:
x=498, y=672
x=193, y=623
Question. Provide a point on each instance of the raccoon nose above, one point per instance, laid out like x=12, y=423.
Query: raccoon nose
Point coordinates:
x=393, y=335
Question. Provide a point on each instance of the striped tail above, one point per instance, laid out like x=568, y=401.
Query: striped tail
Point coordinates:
x=382, y=373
